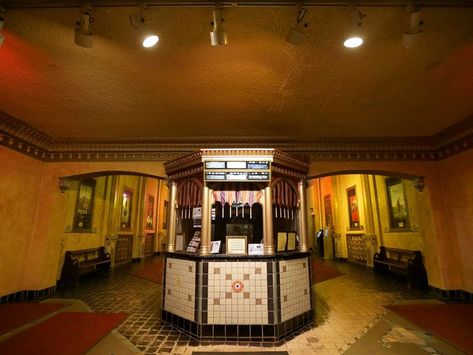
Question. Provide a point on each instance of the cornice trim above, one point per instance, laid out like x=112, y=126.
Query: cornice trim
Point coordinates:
x=19, y=136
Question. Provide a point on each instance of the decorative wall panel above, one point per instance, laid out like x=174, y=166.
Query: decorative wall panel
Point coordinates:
x=356, y=246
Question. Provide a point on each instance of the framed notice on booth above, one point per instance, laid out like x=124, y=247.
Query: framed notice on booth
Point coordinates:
x=179, y=242
x=282, y=241
x=255, y=249
x=291, y=241
x=236, y=244
x=215, y=247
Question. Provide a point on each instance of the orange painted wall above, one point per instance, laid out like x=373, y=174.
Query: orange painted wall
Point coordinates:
x=454, y=216
x=20, y=181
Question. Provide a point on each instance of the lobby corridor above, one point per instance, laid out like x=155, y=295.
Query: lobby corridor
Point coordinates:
x=349, y=316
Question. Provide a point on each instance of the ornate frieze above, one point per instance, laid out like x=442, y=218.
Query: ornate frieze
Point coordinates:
x=21, y=137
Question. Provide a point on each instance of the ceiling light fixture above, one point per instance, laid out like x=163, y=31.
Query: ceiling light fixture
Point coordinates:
x=355, y=39
x=296, y=34
x=140, y=22
x=218, y=36
x=414, y=33
x=82, y=34
x=2, y=37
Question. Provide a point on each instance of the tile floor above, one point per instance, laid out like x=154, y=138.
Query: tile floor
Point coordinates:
x=349, y=316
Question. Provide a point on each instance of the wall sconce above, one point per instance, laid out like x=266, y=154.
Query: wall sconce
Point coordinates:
x=64, y=184
x=419, y=183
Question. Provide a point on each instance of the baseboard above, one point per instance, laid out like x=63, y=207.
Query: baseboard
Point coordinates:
x=460, y=295
x=28, y=295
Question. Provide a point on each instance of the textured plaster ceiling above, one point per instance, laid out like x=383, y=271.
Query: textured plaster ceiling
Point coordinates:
x=257, y=86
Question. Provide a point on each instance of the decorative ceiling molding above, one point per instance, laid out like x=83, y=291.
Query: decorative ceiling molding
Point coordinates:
x=19, y=136
x=12, y=4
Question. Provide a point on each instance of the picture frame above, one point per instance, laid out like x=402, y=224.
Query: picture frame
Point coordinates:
x=236, y=244
x=180, y=237
x=149, y=219
x=291, y=241
x=165, y=214
x=353, y=211
x=256, y=249
x=215, y=246
x=397, y=205
x=281, y=241
x=84, y=206
x=126, y=209
x=328, y=210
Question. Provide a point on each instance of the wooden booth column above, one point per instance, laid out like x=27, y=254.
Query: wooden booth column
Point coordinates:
x=303, y=215
x=268, y=222
x=172, y=216
x=205, y=229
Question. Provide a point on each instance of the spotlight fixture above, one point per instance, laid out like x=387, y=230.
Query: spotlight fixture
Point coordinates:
x=354, y=39
x=218, y=36
x=2, y=37
x=82, y=34
x=296, y=34
x=140, y=22
x=414, y=33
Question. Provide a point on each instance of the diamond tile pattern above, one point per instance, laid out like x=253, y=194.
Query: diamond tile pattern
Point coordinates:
x=180, y=287
x=246, y=305
x=294, y=280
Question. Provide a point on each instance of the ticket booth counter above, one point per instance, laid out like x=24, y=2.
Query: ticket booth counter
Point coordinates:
x=237, y=265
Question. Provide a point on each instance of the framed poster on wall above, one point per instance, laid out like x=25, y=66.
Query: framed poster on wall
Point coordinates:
x=84, y=206
x=165, y=215
x=149, y=212
x=397, y=205
x=125, y=215
x=353, y=212
x=328, y=210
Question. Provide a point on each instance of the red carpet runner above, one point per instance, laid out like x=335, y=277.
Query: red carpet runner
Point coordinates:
x=14, y=315
x=323, y=272
x=65, y=333
x=451, y=322
x=152, y=270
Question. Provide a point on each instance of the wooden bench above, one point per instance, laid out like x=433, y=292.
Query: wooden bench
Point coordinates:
x=407, y=263
x=80, y=262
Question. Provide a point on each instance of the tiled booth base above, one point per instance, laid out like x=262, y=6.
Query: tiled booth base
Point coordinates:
x=264, y=298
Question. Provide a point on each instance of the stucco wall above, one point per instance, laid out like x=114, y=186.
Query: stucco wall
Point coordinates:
x=455, y=214
x=20, y=180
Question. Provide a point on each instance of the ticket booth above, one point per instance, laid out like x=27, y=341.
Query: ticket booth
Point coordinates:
x=237, y=265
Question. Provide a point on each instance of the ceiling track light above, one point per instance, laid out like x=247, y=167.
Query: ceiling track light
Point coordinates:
x=218, y=36
x=355, y=38
x=2, y=37
x=139, y=21
x=414, y=34
x=83, y=35
x=296, y=33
